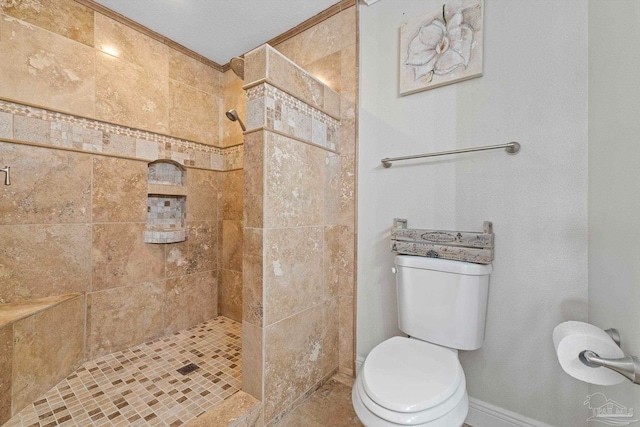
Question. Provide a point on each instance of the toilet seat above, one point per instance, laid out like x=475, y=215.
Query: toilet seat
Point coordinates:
x=410, y=382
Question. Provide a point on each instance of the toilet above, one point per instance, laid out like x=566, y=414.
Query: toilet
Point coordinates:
x=418, y=380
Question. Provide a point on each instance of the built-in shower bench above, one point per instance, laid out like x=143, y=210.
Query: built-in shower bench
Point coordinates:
x=41, y=342
x=13, y=311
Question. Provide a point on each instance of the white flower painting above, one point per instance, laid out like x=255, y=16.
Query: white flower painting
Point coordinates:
x=441, y=48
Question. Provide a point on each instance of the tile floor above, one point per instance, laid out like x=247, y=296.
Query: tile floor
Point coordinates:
x=140, y=386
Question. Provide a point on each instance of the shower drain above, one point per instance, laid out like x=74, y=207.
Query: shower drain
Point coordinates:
x=187, y=369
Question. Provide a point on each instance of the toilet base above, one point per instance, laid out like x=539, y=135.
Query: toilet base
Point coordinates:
x=455, y=418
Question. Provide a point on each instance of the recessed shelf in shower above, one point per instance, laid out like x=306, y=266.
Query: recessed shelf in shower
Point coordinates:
x=166, y=203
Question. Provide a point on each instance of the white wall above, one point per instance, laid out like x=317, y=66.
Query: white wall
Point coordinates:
x=614, y=179
x=534, y=90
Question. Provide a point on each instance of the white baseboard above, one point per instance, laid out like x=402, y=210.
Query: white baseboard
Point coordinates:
x=482, y=414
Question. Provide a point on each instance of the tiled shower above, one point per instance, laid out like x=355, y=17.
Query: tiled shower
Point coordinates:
x=75, y=270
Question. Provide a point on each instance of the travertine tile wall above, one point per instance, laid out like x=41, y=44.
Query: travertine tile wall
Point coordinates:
x=73, y=221
x=64, y=56
x=329, y=52
x=231, y=205
x=290, y=314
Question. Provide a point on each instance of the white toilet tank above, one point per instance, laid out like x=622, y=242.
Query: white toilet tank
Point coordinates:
x=441, y=301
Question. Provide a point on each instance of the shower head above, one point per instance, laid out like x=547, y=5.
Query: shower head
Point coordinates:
x=237, y=65
x=233, y=116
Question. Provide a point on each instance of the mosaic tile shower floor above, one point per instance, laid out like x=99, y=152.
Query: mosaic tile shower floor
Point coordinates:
x=140, y=386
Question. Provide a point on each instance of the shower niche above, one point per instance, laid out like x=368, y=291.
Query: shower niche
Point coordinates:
x=166, y=202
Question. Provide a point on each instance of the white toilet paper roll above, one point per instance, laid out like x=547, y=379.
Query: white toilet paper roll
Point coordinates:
x=572, y=338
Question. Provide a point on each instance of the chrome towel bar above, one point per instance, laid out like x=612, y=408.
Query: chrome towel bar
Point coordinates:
x=511, y=148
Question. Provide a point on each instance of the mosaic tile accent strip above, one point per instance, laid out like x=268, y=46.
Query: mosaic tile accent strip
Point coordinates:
x=275, y=109
x=234, y=158
x=41, y=126
x=141, y=386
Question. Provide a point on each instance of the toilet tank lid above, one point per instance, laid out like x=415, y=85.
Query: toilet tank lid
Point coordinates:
x=444, y=265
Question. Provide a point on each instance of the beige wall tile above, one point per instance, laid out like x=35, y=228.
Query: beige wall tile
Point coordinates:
x=121, y=258
x=299, y=351
x=254, y=179
x=32, y=129
x=347, y=131
x=252, y=359
x=256, y=113
x=44, y=260
x=232, y=245
x=294, y=184
x=6, y=125
x=346, y=261
x=230, y=295
x=49, y=186
x=6, y=361
x=286, y=74
x=220, y=194
x=252, y=276
x=202, y=195
x=119, y=145
x=197, y=254
x=255, y=64
x=48, y=346
x=332, y=241
x=119, y=190
x=348, y=190
x=332, y=188
x=124, y=42
x=233, y=194
x=129, y=95
x=328, y=37
x=346, y=351
x=328, y=70
x=219, y=244
x=293, y=271
x=44, y=68
x=193, y=114
x=194, y=73
x=234, y=98
x=349, y=73
x=64, y=17
x=123, y=317
x=191, y=299
x=290, y=48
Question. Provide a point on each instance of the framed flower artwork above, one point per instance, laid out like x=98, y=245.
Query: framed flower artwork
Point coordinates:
x=442, y=47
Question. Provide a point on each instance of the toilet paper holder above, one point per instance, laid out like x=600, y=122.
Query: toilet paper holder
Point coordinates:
x=628, y=366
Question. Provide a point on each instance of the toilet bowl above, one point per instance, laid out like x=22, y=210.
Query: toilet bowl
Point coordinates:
x=418, y=381
x=409, y=382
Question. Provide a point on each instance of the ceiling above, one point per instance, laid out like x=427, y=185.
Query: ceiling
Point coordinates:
x=219, y=29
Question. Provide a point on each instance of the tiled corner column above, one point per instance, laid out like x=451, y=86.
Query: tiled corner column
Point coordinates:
x=330, y=50
x=291, y=239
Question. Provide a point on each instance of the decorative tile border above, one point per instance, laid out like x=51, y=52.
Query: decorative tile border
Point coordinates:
x=46, y=127
x=270, y=107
